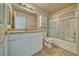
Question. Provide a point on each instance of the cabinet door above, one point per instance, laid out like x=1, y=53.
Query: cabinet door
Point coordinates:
x=1, y=13
x=18, y=47
x=36, y=43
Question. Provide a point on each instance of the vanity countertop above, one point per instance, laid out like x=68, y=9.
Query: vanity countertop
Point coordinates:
x=23, y=30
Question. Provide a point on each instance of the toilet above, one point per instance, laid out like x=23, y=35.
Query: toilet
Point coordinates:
x=48, y=41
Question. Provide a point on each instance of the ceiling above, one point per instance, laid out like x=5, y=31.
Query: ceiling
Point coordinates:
x=52, y=7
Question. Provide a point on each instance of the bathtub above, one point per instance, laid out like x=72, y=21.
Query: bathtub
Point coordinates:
x=69, y=46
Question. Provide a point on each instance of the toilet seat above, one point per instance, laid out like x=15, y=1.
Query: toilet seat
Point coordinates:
x=48, y=42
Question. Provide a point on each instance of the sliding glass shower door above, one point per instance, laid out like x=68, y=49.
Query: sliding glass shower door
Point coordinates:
x=53, y=28
x=67, y=29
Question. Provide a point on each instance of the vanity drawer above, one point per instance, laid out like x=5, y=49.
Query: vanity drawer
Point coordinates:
x=13, y=36
x=29, y=35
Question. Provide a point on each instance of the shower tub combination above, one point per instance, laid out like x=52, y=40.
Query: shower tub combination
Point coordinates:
x=67, y=45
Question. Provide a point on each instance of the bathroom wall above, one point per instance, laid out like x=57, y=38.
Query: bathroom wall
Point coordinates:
x=66, y=44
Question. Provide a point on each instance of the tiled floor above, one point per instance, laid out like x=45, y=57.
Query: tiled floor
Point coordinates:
x=54, y=51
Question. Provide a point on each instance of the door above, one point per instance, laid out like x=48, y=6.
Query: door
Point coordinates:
x=1, y=14
x=3, y=7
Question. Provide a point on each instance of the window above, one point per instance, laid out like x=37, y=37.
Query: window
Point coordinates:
x=20, y=22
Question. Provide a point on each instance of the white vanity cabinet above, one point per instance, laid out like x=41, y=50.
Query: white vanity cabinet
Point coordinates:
x=24, y=44
x=18, y=45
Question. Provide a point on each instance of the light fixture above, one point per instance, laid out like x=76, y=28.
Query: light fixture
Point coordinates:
x=25, y=6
